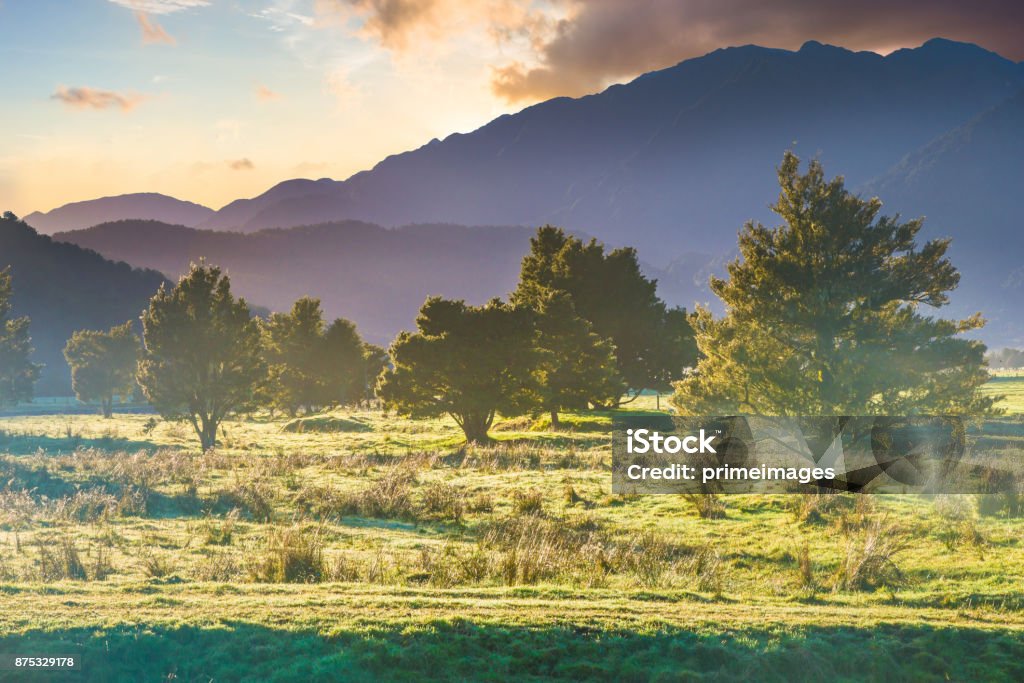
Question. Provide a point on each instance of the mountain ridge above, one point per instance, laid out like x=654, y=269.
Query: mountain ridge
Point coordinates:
x=63, y=288
x=150, y=205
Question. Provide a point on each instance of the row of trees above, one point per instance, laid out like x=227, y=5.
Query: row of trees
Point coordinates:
x=583, y=328
x=205, y=356
x=558, y=344
x=823, y=316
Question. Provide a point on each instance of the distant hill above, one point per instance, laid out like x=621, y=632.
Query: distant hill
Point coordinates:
x=372, y=275
x=63, y=288
x=375, y=276
x=674, y=161
x=144, y=205
x=969, y=184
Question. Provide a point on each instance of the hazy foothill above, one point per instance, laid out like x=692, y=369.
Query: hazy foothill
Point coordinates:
x=333, y=431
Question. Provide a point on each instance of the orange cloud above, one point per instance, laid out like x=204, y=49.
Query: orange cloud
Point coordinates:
x=402, y=25
x=265, y=94
x=152, y=32
x=241, y=165
x=92, y=98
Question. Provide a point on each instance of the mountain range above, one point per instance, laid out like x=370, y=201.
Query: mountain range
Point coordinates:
x=63, y=288
x=674, y=163
x=151, y=205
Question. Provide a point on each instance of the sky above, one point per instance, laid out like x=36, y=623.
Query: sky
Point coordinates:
x=212, y=100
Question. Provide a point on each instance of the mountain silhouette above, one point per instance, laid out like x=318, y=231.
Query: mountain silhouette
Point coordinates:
x=374, y=276
x=145, y=205
x=674, y=161
x=967, y=183
x=64, y=288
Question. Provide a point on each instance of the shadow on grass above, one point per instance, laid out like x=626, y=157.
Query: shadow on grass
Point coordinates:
x=27, y=444
x=462, y=650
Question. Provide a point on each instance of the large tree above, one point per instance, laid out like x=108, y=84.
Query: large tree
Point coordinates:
x=103, y=364
x=312, y=364
x=469, y=362
x=609, y=290
x=577, y=366
x=202, y=358
x=827, y=314
x=18, y=373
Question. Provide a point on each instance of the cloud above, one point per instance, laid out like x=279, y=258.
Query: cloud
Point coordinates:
x=152, y=32
x=403, y=25
x=160, y=6
x=92, y=98
x=241, y=165
x=600, y=41
x=265, y=94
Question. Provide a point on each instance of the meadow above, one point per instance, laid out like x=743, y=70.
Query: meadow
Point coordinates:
x=359, y=546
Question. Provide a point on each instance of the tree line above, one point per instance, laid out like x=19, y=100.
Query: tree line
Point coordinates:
x=823, y=316
x=583, y=328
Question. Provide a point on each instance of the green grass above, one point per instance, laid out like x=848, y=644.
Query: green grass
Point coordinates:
x=1012, y=388
x=435, y=560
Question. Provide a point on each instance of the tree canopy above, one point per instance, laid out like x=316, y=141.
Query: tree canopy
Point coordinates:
x=202, y=357
x=824, y=315
x=470, y=362
x=609, y=290
x=103, y=364
x=17, y=372
x=312, y=364
x=577, y=366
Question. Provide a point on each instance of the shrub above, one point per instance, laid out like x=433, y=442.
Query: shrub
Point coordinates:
x=87, y=505
x=707, y=505
x=217, y=566
x=388, y=497
x=870, y=559
x=708, y=568
x=805, y=569
x=156, y=566
x=220, y=532
x=957, y=525
x=528, y=502
x=292, y=555
x=481, y=502
x=444, y=501
x=817, y=507
x=60, y=561
x=255, y=499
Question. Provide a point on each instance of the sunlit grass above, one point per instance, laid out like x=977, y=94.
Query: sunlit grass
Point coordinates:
x=409, y=537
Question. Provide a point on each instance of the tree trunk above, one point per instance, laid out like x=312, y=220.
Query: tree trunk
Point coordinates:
x=108, y=407
x=475, y=428
x=555, y=424
x=207, y=431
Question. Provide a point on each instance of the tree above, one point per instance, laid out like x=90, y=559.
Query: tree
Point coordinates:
x=578, y=366
x=312, y=364
x=103, y=364
x=18, y=373
x=612, y=294
x=468, y=362
x=344, y=363
x=375, y=360
x=202, y=358
x=823, y=316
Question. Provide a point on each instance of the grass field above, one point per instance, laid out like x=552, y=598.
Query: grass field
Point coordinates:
x=357, y=546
